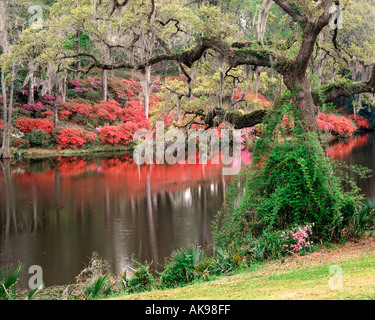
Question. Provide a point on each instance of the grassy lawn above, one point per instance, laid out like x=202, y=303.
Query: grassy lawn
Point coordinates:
x=306, y=277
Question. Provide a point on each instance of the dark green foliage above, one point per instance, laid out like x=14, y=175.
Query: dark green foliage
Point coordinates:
x=97, y=287
x=225, y=262
x=291, y=182
x=184, y=266
x=296, y=186
x=8, y=281
x=361, y=220
x=38, y=138
x=141, y=280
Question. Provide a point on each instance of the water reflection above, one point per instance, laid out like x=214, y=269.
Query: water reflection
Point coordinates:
x=56, y=212
x=359, y=150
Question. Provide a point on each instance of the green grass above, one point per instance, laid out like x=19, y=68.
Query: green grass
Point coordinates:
x=37, y=153
x=295, y=279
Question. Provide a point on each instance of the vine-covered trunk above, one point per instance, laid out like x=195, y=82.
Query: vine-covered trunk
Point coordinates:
x=302, y=99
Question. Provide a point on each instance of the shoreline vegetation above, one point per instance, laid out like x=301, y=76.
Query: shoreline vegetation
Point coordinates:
x=39, y=153
x=199, y=287
x=297, y=277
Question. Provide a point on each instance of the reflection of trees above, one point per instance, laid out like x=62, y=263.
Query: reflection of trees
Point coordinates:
x=9, y=199
x=151, y=224
x=35, y=209
x=357, y=150
x=57, y=195
x=344, y=148
x=70, y=213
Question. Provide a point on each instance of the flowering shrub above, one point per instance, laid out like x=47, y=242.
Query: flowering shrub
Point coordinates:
x=86, y=85
x=106, y=112
x=125, y=88
x=77, y=112
x=121, y=134
x=2, y=100
x=115, y=135
x=251, y=97
x=47, y=114
x=20, y=143
x=38, y=138
x=296, y=240
x=34, y=107
x=26, y=125
x=362, y=122
x=339, y=125
x=74, y=138
x=134, y=113
x=49, y=99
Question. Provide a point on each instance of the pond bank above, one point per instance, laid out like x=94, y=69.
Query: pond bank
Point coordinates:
x=296, y=278
x=40, y=153
x=313, y=276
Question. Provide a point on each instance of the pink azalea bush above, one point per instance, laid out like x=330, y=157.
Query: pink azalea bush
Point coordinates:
x=297, y=240
x=34, y=107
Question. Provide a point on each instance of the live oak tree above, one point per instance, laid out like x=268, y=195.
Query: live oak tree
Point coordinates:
x=213, y=32
x=220, y=43
x=288, y=38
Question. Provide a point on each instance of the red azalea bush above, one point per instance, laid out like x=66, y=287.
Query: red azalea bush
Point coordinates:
x=103, y=113
x=68, y=110
x=47, y=114
x=122, y=134
x=125, y=89
x=134, y=112
x=26, y=125
x=106, y=112
x=339, y=125
x=114, y=135
x=361, y=121
x=74, y=138
x=250, y=96
x=118, y=135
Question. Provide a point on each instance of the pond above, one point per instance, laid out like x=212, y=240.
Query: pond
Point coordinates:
x=56, y=212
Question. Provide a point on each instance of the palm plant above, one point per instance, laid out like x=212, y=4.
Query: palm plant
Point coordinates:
x=184, y=266
x=8, y=281
x=362, y=219
x=93, y=290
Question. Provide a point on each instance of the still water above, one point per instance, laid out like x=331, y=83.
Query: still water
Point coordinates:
x=55, y=212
